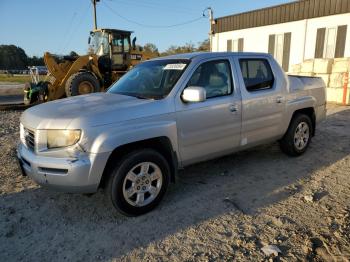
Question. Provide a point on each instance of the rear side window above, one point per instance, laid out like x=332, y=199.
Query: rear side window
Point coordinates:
x=257, y=74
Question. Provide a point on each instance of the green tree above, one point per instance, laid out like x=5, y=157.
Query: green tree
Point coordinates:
x=172, y=50
x=35, y=61
x=73, y=53
x=204, y=46
x=151, y=48
x=12, y=57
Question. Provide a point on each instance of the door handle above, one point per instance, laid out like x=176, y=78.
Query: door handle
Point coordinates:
x=233, y=108
x=279, y=99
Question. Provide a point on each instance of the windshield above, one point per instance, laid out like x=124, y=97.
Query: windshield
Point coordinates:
x=150, y=80
x=99, y=44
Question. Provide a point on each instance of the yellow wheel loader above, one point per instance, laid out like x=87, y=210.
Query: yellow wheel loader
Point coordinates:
x=111, y=54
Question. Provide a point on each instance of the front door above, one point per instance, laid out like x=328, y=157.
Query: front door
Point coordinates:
x=210, y=128
x=120, y=49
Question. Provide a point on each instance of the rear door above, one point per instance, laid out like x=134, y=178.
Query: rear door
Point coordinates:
x=210, y=128
x=262, y=101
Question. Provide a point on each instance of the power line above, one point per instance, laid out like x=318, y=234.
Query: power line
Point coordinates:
x=153, y=26
x=155, y=6
x=171, y=6
x=67, y=31
x=76, y=27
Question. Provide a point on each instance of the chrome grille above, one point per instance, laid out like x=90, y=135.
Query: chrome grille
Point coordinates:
x=29, y=137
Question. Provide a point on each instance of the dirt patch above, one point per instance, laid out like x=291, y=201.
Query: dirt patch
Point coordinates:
x=11, y=89
x=225, y=209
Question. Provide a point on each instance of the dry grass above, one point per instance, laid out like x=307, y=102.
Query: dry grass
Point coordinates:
x=17, y=78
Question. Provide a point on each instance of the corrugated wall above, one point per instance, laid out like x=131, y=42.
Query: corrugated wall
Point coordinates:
x=281, y=14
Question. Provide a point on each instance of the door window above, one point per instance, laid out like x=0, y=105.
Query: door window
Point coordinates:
x=215, y=77
x=257, y=74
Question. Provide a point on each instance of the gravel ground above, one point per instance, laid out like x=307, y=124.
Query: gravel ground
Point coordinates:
x=11, y=93
x=225, y=209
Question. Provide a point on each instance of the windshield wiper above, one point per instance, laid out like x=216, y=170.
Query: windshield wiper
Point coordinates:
x=142, y=97
x=133, y=95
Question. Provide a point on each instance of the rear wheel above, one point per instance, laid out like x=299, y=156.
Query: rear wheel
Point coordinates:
x=82, y=83
x=298, y=137
x=138, y=183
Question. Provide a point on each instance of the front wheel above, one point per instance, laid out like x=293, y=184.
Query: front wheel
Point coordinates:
x=81, y=83
x=138, y=183
x=298, y=137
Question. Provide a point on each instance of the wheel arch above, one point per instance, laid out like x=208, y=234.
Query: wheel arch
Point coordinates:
x=310, y=112
x=160, y=144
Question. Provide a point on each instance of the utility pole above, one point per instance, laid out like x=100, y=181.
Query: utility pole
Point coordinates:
x=211, y=23
x=95, y=17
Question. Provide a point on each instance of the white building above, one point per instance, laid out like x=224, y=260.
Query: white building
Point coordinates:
x=292, y=32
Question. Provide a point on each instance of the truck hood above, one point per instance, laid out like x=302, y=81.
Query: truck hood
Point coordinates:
x=89, y=110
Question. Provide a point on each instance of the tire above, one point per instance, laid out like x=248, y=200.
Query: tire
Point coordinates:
x=121, y=182
x=81, y=83
x=298, y=136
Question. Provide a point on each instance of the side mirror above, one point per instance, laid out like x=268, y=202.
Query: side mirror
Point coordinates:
x=89, y=40
x=134, y=43
x=194, y=94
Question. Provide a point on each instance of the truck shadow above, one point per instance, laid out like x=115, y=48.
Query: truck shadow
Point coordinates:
x=36, y=221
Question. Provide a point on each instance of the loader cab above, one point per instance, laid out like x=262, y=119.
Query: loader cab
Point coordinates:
x=113, y=48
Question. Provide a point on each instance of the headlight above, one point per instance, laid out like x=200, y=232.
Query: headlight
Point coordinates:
x=21, y=133
x=62, y=138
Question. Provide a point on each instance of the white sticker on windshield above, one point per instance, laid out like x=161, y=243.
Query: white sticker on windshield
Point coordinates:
x=174, y=67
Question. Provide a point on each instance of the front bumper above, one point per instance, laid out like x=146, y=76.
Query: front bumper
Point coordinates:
x=75, y=175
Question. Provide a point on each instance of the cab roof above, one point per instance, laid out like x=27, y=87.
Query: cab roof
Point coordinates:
x=115, y=31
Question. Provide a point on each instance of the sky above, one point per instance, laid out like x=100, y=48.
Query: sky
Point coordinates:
x=61, y=26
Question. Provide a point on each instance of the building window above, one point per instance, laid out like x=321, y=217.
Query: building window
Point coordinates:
x=229, y=46
x=279, y=48
x=235, y=45
x=330, y=42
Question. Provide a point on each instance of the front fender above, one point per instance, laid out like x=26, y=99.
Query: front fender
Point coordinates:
x=107, y=138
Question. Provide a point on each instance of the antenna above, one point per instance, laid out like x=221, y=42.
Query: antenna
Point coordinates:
x=94, y=2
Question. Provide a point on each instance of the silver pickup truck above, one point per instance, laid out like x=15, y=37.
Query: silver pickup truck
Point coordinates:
x=163, y=115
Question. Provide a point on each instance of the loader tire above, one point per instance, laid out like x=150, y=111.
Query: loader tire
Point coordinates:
x=82, y=83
